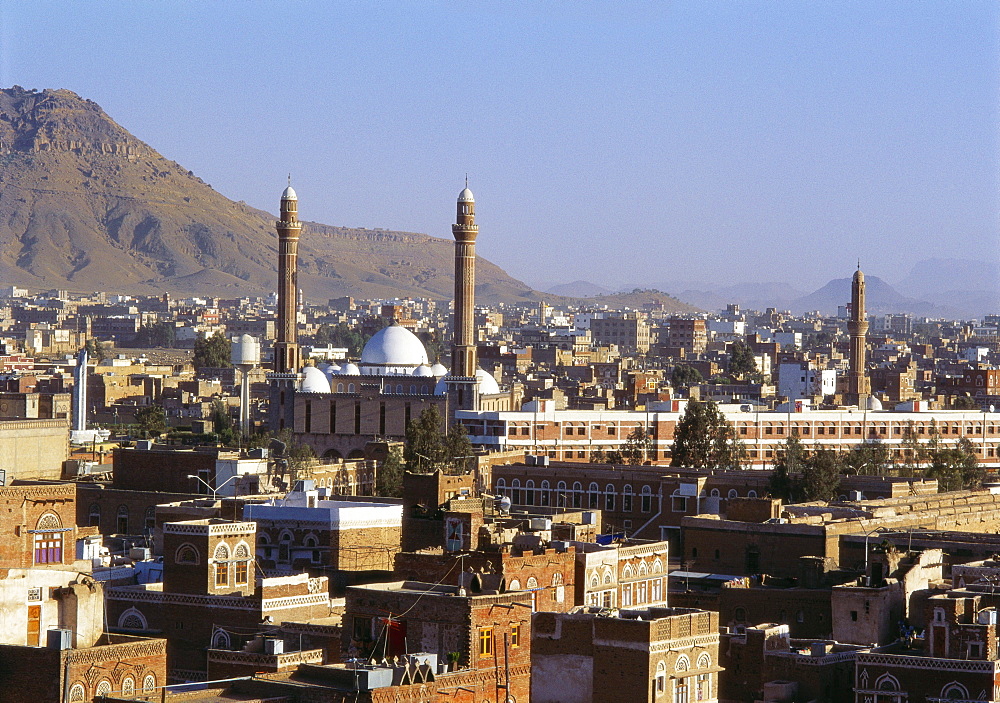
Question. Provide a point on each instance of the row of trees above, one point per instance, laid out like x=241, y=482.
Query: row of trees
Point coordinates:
x=428, y=447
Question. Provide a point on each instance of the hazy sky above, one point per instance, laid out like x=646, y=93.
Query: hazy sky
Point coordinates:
x=617, y=142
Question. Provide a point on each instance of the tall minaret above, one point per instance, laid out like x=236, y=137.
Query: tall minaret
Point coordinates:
x=462, y=381
x=287, y=357
x=858, y=386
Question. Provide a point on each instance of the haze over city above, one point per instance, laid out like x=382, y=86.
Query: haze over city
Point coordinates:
x=647, y=144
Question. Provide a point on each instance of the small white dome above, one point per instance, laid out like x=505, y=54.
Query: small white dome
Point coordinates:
x=289, y=194
x=423, y=370
x=873, y=403
x=314, y=381
x=393, y=350
x=466, y=196
x=350, y=369
x=486, y=383
x=438, y=370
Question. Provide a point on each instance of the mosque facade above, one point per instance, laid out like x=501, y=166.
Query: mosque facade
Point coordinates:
x=339, y=409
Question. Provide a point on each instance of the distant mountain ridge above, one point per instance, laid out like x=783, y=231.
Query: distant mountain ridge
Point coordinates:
x=86, y=206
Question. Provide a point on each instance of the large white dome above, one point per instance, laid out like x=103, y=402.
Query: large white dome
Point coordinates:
x=314, y=381
x=393, y=350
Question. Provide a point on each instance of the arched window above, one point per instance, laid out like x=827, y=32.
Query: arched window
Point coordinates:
x=103, y=689
x=95, y=515
x=954, y=691
x=627, y=571
x=150, y=519
x=733, y=493
x=595, y=581
x=340, y=387
x=149, y=683
x=577, y=494
x=627, y=498
x=132, y=619
x=48, y=539
x=186, y=554
x=558, y=589
x=312, y=542
x=751, y=494
x=647, y=499
x=704, y=661
x=643, y=570
x=220, y=640
x=122, y=524
x=399, y=388
x=609, y=497
x=78, y=693
x=501, y=486
x=594, y=497
x=683, y=663
x=221, y=565
x=714, y=493
x=657, y=566
x=660, y=681
x=544, y=496
x=515, y=491
x=529, y=492
x=886, y=682
x=284, y=547
x=608, y=577
x=128, y=686
x=561, y=494
x=532, y=583
x=514, y=585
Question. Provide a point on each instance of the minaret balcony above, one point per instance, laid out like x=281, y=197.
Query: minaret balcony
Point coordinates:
x=287, y=225
x=465, y=228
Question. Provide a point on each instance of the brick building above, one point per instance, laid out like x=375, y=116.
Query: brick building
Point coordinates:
x=489, y=632
x=657, y=654
x=307, y=532
x=211, y=589
x=116, y=665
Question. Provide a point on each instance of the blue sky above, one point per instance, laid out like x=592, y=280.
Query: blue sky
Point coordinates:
x=659, y=142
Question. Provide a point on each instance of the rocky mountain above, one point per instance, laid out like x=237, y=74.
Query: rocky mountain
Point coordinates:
x=880, y=299
x=971, y=286
x=578, y=289
x=86, y=206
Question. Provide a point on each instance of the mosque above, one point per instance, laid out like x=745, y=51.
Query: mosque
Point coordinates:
x=340, y=409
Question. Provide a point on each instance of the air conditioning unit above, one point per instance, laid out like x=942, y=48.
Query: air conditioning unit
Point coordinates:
x=274, y=646
x=59, y=639
x=855, y=495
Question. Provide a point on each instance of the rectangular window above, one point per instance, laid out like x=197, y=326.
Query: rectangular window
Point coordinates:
x=362, y=628
x=515, y=635
x=48, y=547
x=241, y=573
x=486, y=641
x=221, y=574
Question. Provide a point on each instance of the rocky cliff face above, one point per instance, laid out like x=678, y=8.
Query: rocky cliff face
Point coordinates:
x=84, y=206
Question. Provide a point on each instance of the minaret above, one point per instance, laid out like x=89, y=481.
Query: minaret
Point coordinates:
x=462, y=379
x=287, y=357
x=858, y=386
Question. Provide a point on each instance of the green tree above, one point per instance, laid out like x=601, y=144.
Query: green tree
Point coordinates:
x=96, y=349
x=428, y=447
x=222, y=422
x=704, y=438
x=615, y=457
x=637, y=446
x=598, y=457
x=912, y=449
x=782, y=481
x=160, y=334
x=211, y=352
x=389, y=480
x=684, y=375
x=956, y=468
x=820, y=476
x=151, y=420
x=964, y=402
x=342, y=335
x=868, y=459
x=741, y=360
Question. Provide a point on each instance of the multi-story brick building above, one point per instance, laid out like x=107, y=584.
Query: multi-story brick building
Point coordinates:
x=306, y=532
x=211, y=589
x=489, y=633
x=115, y=666
x=657, y=654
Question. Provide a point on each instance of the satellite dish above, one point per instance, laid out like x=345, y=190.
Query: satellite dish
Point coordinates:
x=505, y=505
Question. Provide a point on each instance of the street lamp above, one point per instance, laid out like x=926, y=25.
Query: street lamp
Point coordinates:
x=207, y=485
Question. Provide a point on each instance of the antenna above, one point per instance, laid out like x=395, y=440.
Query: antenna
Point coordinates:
x=290, y=183
x=466, y=180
